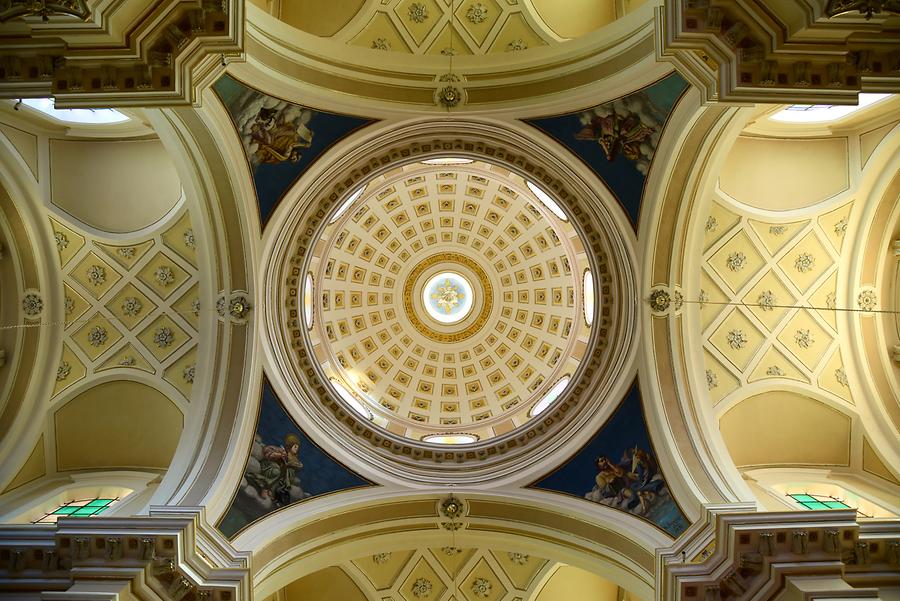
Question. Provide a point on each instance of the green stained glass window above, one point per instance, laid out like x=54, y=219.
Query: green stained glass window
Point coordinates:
x=819, y=502
x=822, y=502
x=81, y=508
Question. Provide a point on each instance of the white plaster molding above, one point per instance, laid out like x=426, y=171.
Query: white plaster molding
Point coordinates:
x=169, y=554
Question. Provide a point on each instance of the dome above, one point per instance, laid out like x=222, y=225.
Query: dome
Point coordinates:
x=447, y=299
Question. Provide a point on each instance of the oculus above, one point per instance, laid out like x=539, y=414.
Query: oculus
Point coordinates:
x=447, y=297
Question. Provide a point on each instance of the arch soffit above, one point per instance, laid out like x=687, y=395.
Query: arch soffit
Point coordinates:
x=223, y=224
x=219, y=228
x=675, y=187
x=871, y=264
x=298, y=543
x=27, y=352
x=605, y=62
x=322, y=188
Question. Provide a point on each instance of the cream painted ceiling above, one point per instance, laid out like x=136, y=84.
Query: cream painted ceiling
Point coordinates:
x=129, y=306
x=768, y=295
x=444, y=27
x=485, y=375
x=453, y=573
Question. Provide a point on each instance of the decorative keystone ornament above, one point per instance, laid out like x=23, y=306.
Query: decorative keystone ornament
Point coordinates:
x=449, y=96
x=239, y=307
x=660, y=301
x=452, y=508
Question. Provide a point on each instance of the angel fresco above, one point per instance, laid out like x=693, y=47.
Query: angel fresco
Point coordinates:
x=280, y=139
x=271, y=478
x=634, y=483
x=627, y=127
x=274, y=139
x=616, y=135
x=284, y=467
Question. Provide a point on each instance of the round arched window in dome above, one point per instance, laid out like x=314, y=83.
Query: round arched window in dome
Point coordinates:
x=308, y=296
x=449, y=299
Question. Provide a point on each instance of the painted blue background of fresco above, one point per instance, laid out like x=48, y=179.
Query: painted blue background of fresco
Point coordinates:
x=321, y=474
x=625, y=430
x=620, y=174
x=273, y=180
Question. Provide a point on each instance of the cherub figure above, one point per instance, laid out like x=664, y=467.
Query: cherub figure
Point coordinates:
x=278, y=469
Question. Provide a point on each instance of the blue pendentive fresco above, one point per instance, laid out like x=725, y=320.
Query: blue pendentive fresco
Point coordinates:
x=618, y=139
x=280, y=139
x=284, y=467
x=618, y=468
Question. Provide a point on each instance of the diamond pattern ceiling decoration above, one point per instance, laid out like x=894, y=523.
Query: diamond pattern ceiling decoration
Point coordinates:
x=162, y=275
x=736, y=261
x=126, y=256
x=427, y=26
x=471, y=574
x=70, y=370
x=768, y=300
x=806, y=262
x=737, y=339
x=96, y=336
x=805, y=339
x=774, y=316
x=68, y=241
x=132, y=305
x=95, y=275
x=422, y=582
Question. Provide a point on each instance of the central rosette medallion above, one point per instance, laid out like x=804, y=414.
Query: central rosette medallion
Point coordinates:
x=448, y=297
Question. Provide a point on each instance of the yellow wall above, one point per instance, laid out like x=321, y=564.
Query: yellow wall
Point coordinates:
x=785, y=428
x=120, y=424
x=574, y=584
x=782, y=174
x=319, y=17
x=119, y=186
x=330, y=583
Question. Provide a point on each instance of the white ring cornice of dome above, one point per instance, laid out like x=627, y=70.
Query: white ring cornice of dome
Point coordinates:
x=525, y=450
x=407, y=82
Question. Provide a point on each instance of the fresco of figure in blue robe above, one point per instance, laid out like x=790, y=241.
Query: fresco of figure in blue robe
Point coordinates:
x=280, y=139
x=284, y=467
x=618, y=139
x=618, y=468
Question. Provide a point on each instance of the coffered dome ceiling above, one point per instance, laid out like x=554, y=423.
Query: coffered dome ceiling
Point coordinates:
x=446, y=300
x=443, y=27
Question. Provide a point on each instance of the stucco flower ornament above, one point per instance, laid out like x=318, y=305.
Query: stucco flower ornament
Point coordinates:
x=421, y=588
x=477, y=13
x=481, y=587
